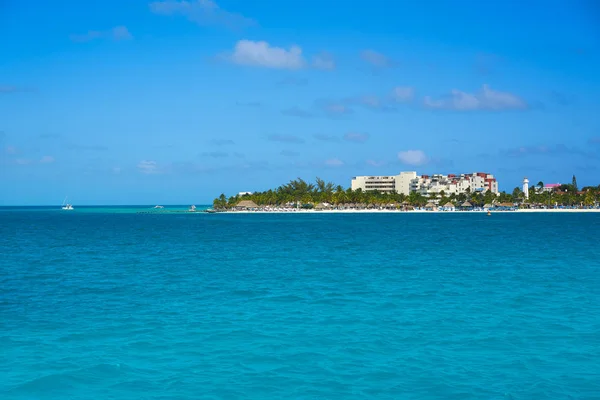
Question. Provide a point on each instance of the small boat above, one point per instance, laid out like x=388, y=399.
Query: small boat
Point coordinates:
x=192, y=209
x=159, y=207
x=66, y=206
x=211, y=211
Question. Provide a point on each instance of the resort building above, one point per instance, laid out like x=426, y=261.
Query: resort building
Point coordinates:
x=407, y=182
x=387, y=184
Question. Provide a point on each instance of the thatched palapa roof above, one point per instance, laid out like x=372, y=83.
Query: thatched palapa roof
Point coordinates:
x=466, y=204
x=429, y=205
x=247, y=204
x=448, y=205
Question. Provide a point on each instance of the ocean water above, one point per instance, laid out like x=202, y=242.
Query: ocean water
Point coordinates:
x=118, y=305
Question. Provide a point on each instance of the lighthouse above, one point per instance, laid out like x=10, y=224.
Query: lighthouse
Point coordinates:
x=526, y=188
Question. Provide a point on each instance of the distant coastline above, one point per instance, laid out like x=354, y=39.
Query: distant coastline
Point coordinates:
x=394, y=211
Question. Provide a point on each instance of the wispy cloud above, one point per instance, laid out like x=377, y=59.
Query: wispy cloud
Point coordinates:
x=291, y=80
x=403, y=94
x=222, y=142
x=337, y=109
x=334, y=162
x=117, y=33
x=262, y=54
x=285, y=138
x=248, y=104
x=47, y=160
x=49, y=136
x=561, y=99
x=148, y=167
x=326, y=138
x=374, y=163
x=297, y=112
x=486, y=99
x=8, y=89
x=202, y=12
x=215, y=154
x=376, y=59
x=289, y=153
x=485, y=64
x=548, y=151
x=413, y=157
x=23, y=161
x=356, y=137
x=87, y=147
x=324, y=61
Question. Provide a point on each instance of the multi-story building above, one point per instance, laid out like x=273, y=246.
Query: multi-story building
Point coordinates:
x=407, y=182
x=386, y=184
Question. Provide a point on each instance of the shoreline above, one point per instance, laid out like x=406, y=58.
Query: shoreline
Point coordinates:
x=593, y=210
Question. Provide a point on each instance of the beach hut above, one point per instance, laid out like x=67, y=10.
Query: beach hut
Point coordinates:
x=466, y=205
x=449, y=206
x=320, y=207
x=246, y=205
x=430, y=206
x=505, y=206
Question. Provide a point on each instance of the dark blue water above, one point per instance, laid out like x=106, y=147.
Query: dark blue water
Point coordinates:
x=105, y=305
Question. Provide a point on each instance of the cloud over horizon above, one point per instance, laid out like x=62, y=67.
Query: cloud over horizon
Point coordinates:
x=356, y=137
x=201, y=12
x=413, y=157
x=376, y=59
x=486, y=99
x=324, y=61
x=118, y=33
x=262, y=54
x=148, y=167
x=285, y=138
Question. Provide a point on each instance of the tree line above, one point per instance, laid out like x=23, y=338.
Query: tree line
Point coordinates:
x=307, y=194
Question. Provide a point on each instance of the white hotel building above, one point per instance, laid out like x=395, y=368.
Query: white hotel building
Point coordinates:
x=407, y=182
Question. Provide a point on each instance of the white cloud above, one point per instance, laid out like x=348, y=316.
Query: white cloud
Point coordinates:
x=356, y=137
x=334, y=162
x=202, y=12
x=8, y=89
x=117, y=33
x=486, y=99
x=121, y=33
x=337, y=109
x=47, y=160
x=261, y=54
x=324, y=61
x=413, y=157
x=285, y=138
x=148, y=167
x=374, y=163
x=375, y=58
x=23, y=161
x=403, y=93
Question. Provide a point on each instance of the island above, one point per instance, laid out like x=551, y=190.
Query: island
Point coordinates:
x=300, y=195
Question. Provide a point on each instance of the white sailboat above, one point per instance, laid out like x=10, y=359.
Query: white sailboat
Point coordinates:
x=66, y=206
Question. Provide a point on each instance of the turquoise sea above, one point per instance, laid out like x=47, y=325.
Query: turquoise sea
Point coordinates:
x=113, y=304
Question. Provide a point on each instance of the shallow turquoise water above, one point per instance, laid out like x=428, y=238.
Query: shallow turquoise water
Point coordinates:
x=119, y=305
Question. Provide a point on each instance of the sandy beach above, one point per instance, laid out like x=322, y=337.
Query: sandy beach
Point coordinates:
x=373, y=211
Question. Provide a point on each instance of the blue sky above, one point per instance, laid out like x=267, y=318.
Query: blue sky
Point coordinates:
x=174, y=102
